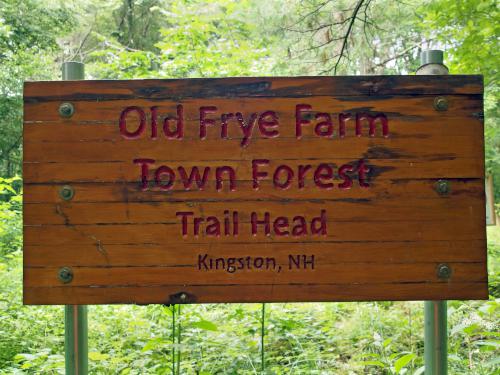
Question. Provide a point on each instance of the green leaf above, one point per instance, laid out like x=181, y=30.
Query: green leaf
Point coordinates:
x=205, y=324
x=154, y=344
x=403, y=361
x=4, y=187
x=492, y=362
x=24, y=357
x=387, y=342
x=488, y=345
x=373, y=363
x=96, y=356
x=470, y=330
x=168, y=310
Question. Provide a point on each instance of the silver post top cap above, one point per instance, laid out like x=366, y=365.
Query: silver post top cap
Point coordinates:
x=431, y=56
x=73, y=70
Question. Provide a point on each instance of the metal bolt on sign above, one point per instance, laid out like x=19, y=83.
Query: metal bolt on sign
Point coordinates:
x=66, y=192
x=444, y=271
x=66, y=110
x=441, y=104
x=65, y=275
x=443, y=187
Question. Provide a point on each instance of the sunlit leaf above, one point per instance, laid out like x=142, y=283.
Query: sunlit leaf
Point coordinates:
x=205, y=324
x=403, y=361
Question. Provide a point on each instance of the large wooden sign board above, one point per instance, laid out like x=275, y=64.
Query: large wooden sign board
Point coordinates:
x=254, y=189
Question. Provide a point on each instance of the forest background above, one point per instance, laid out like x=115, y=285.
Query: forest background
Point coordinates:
x=122, y=39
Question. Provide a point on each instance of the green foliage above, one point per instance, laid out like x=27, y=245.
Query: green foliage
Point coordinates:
x=139, y=23
x=31, y=338
x=212, y=39
x=201, y=40
x=32, y=25
x=494, y=261
x=474, y=336
x=10, y=217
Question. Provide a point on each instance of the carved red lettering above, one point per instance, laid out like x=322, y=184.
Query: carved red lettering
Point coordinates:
x=213, y=226
x=324, y=128
x=184, y=221
x=178, y=132
x=204, y=122
x=343, y=118
x=380, y=117
x=362, y=171
x=280, y=223
x=154, y=122
x=302, y=173
x=299, y=226
x=232, y=177
x=144, y=171
x=318, y=224
x=347, y=181
x=225, y=117
x=288, y=180
x=235, y=223
x=266, y=222
x=123, y=123
x=256, y=174
x=227, y=225
x=246, y=129
x=299, y=121
x=161, y=171
x=324, y=171
x=268, y=124
x=194, y=176
x=197, y=221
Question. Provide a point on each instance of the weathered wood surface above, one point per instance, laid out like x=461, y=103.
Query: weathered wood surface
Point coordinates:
x=124, y=241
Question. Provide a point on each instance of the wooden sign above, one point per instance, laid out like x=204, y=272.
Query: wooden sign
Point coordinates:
x=254, y=189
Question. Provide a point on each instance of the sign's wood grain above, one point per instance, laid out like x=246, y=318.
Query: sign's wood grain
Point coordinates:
x=254, y=189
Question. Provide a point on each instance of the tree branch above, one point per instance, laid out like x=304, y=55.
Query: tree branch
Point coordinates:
x=401, y=54
x=81, y=44
x=346, y=36
x=316, y=28
x=311, y=13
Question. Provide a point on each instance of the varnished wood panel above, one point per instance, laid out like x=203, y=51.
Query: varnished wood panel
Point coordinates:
x=383, y=237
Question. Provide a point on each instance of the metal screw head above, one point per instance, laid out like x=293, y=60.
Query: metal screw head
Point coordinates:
x=443, y=271
x=66, y=192
x=440, y=104
x=65, y=275
x=443, y=187
x=66, y=110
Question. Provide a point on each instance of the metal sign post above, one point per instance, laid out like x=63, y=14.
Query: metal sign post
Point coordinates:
x=435, y=312
x=75, y=316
